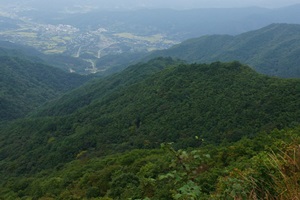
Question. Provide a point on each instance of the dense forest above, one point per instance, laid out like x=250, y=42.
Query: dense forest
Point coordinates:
x=163, y=129
x=272, y=50
x=264, y=167
x=27, y=84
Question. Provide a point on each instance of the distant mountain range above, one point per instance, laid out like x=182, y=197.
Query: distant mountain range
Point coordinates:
x=273, y=50
x=177, y=25
x=88, y=5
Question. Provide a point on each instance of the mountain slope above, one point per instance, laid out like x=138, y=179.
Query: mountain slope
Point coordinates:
x=161, y=173
x=272, y=50
x=98, y=89
x=25, y=85
x=61, y=61
x=216, y=102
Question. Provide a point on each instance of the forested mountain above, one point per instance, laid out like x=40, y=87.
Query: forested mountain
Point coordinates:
x=190, y=122
x=61, y=61
x=8, y=23
x=25, y=85
x=97, y=89
x=215, y=103
x=273, y=50
x=21, y=51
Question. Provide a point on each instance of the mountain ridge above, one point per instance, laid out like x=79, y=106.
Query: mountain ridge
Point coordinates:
x=271, y=50
x=98, y=88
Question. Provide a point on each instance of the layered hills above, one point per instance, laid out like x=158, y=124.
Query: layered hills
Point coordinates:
x=26, y=84
x=166, y=128
x=272, y=50
x=215, y=102
x=162, y=101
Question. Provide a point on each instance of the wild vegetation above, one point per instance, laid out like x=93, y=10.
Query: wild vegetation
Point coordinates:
x=160, y=130
x=171, y=127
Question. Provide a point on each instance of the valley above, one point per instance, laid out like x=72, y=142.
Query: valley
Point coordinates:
x=114, y=103
x=68, y=40
x=87, y=44
x=97, y=34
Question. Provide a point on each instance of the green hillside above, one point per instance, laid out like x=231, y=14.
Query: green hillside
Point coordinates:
x=99, y=88
x=272, y=50
x=25, y=85
x=264, y=167
x=216, y=102
x=224, y=119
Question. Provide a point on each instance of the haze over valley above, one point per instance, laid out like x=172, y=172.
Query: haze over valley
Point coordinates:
x=92, y=35
x=152, y=100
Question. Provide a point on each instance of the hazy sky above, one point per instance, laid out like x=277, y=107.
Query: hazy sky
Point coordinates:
x=177, y=4
x=223, y=3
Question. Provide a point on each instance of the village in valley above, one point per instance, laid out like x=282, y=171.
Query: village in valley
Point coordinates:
x=73, y=41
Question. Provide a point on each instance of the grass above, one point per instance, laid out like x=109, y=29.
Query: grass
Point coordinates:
x=288, y=165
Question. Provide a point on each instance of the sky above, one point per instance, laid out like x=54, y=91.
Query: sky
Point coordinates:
x=223, y=3
x=175, y=4
x=247, y=3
